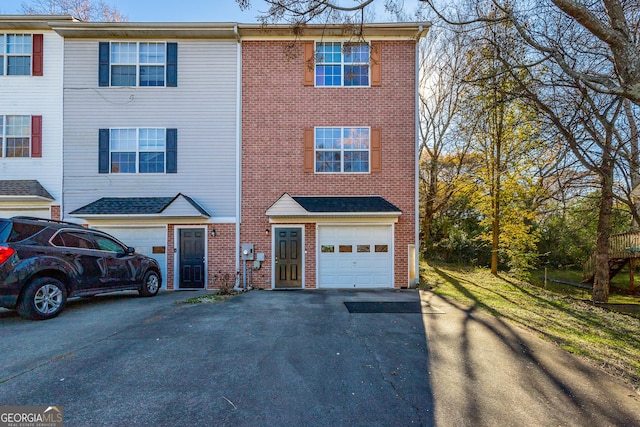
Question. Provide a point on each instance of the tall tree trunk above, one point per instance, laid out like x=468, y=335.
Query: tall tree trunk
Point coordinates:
x=426, y=222
x=430, y=201
x=495, y=223
x=601, y=279
x=634, y=162
x=495, y=230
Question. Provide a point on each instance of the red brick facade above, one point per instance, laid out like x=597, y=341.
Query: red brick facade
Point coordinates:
x=277, y=107
x=56, y=212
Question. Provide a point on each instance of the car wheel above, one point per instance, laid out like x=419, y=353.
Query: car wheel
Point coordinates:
x=150, y=285
x=42, y=299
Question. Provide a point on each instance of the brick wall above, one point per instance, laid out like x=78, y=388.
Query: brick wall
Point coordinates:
x=277, y=107
x=56, y=212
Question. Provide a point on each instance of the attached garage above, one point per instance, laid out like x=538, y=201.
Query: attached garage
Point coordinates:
x=355, y=256
x=36, y=212
x=24, y=198
x=146, y=219
x=354, y=239
x=150, y=241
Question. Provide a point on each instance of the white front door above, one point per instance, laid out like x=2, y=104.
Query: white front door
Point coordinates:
x=355, y=256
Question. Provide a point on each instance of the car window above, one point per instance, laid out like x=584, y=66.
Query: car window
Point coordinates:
x=21, y=231
x=5, y=229
x=106, y=244
x=74, y=240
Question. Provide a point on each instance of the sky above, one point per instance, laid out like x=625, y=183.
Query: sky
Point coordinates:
x=188, y=10
x=169, y=10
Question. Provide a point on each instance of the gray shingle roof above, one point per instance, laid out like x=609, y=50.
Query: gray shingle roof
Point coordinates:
x=132, y=206
x=29, y=187
x=357, y=204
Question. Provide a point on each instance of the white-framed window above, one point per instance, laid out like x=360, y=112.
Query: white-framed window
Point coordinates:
x=342, y=149
x=342, y=64
x=15, y=136
x=15, y=54
x=138, y=63
x=141, y=150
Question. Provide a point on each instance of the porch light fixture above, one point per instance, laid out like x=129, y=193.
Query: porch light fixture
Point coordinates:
x=213, y=232
x=267, y=232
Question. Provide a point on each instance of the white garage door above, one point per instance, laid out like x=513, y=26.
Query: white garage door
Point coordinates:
x=355, y=256
x=39, y=213
x=144, y=239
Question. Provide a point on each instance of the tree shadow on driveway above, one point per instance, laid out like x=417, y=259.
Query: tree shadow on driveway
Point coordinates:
x=488, y=372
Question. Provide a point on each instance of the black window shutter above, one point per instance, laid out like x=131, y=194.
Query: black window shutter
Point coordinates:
x=103, y=64
x=172, y=150
x=103, y=151
x=172, y=64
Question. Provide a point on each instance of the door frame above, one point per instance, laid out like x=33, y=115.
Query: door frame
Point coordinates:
x=273, y=251
x=176, y=255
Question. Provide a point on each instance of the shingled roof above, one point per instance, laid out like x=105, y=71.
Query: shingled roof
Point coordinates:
x=137, y=206
x=28, y=188
x=366, y=204
x=337, y=206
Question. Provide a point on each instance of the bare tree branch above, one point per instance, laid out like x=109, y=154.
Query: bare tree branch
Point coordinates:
x=84, y=10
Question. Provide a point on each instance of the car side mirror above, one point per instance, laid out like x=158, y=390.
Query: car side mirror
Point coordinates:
x=130, y=250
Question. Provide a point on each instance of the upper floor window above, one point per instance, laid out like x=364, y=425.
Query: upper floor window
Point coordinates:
x=20, y=136
x=342, y=64
x=15, y=132
x=342, y=150
x=130, y=60
x=15, y=54
x=137, y=150
x=138, y=64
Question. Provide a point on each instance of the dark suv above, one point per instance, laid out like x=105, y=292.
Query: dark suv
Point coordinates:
x=43, y=262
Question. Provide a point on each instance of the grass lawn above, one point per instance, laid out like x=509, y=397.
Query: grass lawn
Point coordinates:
x=606, y=337
x=620, y=280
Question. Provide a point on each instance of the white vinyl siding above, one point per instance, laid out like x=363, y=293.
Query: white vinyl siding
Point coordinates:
x=38, y=96
x=202, y=108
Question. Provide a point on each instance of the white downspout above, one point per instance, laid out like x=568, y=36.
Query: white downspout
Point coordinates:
x=417, y=160
x=238, y=146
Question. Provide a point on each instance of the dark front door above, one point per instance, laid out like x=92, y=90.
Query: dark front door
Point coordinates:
x=192, y=259
x=288, y=259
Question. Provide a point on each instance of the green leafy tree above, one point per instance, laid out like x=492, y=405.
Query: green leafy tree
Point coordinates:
x=506, y=134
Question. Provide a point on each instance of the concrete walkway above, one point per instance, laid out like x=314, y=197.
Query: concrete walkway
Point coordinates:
x=485, y=372
x=269, y=358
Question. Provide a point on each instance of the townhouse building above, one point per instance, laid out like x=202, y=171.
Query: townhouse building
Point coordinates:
x=329, y=155
x=151, y=141
x=225, y=151
x=31, y=112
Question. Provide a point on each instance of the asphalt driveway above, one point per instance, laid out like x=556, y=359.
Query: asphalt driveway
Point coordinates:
x=298, y=358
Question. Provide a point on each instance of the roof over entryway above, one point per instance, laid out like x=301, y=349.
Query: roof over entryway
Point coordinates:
x=23, y=190
x=332, y=206
x=142, y=207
